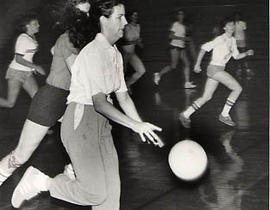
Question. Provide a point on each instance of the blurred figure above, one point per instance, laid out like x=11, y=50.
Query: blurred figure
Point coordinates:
x=132, y=39
x=21, y=69
x=178, y=37
x=49, y=103
x=241, y=41
x=217, y=29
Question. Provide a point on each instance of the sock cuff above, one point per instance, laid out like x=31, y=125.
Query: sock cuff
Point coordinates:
x=229, y=102
x=195, y=106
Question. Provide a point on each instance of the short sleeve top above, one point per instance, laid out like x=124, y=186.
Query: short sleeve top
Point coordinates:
x=179, y=30
x=97, y=69
x=223, y=47
x=25, y=46
x=132, y=33
x=59, y=74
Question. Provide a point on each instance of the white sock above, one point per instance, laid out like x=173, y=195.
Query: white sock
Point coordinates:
x=227, y=107
x=190, y=110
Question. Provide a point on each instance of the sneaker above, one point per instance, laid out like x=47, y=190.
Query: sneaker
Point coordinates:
x=227, y=120
x=69, y=172
x=32, y=183
x=185, y=121
x=189, y=85
x=156, y=78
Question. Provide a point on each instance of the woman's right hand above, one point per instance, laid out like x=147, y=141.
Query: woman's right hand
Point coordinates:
x=145, y=129
x=197, y=68
x=40, y=70
x=250, y=52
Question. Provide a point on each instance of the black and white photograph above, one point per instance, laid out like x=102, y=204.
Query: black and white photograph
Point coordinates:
x=134, y=105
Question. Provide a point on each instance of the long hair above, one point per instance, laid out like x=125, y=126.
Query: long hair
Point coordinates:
x=82, y=28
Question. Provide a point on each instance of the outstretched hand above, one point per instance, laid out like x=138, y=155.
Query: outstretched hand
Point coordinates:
x=145, y=129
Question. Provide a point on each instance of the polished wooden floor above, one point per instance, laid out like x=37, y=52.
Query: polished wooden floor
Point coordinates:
x=237, y=176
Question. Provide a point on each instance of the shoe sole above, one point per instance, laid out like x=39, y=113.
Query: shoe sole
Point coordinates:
x=16, y=193
x=229, y=124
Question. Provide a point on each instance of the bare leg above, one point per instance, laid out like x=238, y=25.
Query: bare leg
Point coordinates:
x=174, y=62
x=30, y=86
x=184, y=58
x=209, y=89
x=227, y=80
x=31, y=136
x=14, y=87
x=139, y=68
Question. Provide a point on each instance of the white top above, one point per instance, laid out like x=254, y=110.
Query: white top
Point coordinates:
x=223, y=47
x=179, y=30
x=27, y=47
x=132, y=32
x=97, y=69
x=240, y=27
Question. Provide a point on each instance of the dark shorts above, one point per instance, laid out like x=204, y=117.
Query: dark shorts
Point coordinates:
x=48, y=105
x=212, y=70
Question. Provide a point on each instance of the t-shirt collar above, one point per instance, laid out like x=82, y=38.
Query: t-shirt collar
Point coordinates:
x=226, y=37
x=100, y=37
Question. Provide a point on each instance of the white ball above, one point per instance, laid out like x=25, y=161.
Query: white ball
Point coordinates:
x=188, y=160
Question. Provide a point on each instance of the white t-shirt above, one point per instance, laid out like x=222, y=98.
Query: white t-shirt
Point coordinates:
x=240, y=27
x=179, y=30
x=132, y=32
x=27, y=47
x=223, y=47
x=97, y=69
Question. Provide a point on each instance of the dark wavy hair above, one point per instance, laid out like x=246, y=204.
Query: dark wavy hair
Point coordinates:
x=82, y=28
x=226, y=20
x=24, y=20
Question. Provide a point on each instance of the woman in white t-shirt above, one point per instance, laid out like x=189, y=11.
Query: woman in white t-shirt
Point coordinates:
x=21, y=69
x=223, y=47
x=178, y=51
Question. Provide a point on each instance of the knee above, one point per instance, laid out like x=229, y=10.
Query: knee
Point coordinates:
x=238, y=88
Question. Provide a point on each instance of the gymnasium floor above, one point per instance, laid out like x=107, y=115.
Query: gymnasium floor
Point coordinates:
x=238, y=169
x=237, y=176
